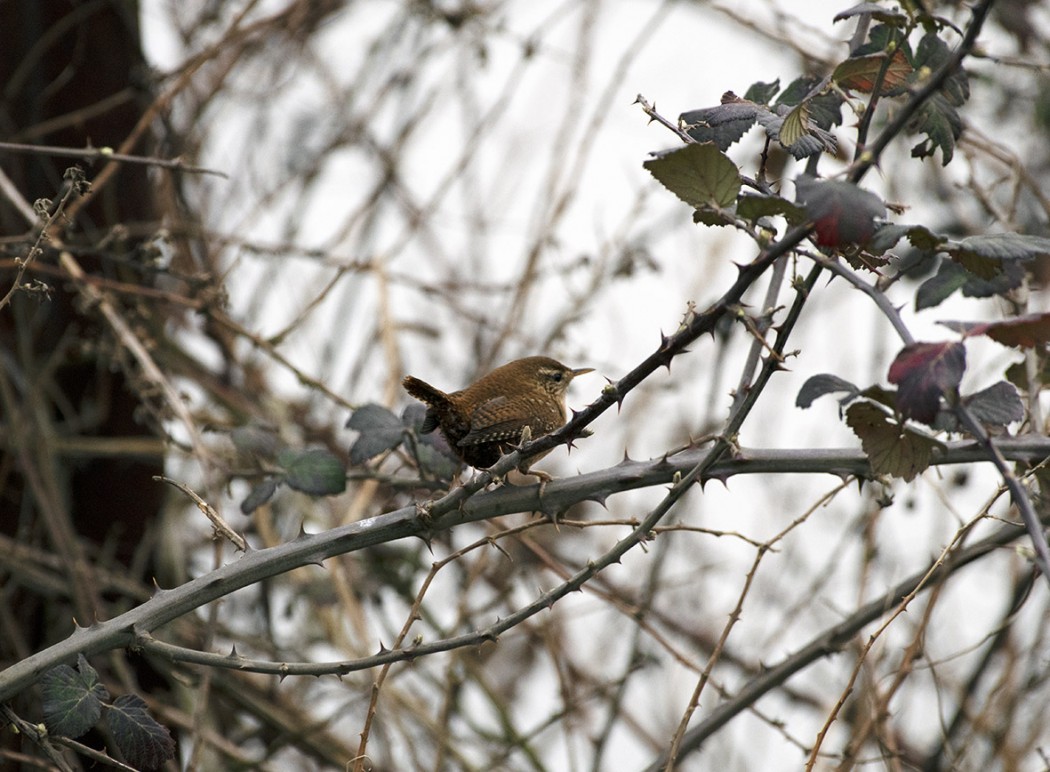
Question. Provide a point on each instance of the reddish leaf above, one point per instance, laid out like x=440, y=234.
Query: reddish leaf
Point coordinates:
x=923, y=373
x=860, y=73
x=841, y=212
x=1019, y=332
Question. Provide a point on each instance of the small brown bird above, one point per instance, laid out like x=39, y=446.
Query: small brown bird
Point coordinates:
x=484, y=420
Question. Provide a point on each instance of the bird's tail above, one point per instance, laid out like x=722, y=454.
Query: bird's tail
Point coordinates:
x=436, y=400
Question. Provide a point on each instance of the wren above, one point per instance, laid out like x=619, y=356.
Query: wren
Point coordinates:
x=486, y=419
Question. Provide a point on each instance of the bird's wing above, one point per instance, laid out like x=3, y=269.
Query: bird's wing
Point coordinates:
x=488, y=424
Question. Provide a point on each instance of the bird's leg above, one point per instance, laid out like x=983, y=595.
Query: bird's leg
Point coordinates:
x=544, y=478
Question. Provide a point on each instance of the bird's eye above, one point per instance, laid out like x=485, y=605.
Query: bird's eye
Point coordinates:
x=556, y=375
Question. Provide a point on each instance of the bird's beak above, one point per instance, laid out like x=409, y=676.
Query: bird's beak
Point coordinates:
x=582, y=371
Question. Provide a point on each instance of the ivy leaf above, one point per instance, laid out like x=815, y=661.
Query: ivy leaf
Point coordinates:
x=1017, y=332
x=142, y=741
x=72, y=698
x=891, y=448
x=699, y=174
x=380, y=431
x=923, y=373
x=316, y=472
x=841, y=212
x=259, y=495
x=825, y=383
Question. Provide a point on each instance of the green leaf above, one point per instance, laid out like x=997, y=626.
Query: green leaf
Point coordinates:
x=952, y=276
x=825, y=383
x=923, y=238
x=795, y=125
x=752, y=208
x=1000, y=246
x=380, y=431
x=825, y=108
x=256, y=440
x=711, y=217
x=760, y=93
x=142, y=741
x=72, y=698
x=939, y=287
x=884, y=37
x=938, y=117
x=723, y=124
x=940, y=122
x=874, y=10
x=699, y=174
x=260, y=494
x=887, y=235
x=988, y=256
x=930, y=55
x=996, y=406
x=891, y=448
x=316, y=472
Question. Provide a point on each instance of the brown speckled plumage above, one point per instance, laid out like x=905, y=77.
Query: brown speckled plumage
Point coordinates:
x=482, y=421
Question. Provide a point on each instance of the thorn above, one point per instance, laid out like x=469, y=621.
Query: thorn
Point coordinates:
x=493, y=543
x=776, y=365
x=611, y=389
x=722, y=477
